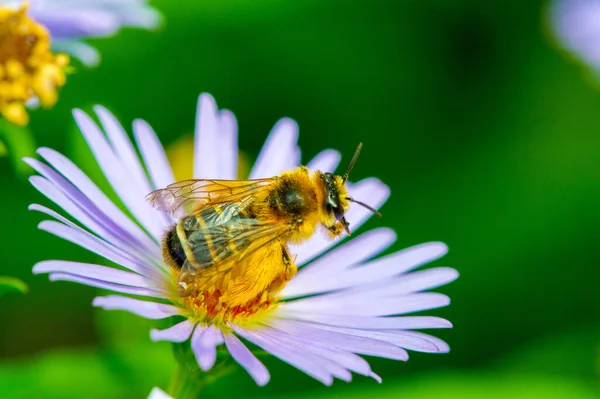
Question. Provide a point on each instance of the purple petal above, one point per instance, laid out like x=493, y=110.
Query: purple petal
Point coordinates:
x=77, y=22
x=141, y=17
x=153, y=154
x=379, y=270
x=206, y=147
x=92, y=243
x=323, y=273
x=351, y=304
x=85, y=53
x=228, y=145
x=372, y=191
x=287, y=354
x=403, y=339
x=375, y=377
x=65, y=195
x=97, y=272
x=108, y=286
x=365, y=346
x=149, y=310
x=280, y=152
x=442, y=347
x=123, y=149
x=247, y=360
x=118, y=175
x=368, y=322
x=204, y=345
x=158, y=393
x=83, y=183
x=345, y=359
x=180, y=332
x=137, y=265
x=325, y=161
x=414, y=282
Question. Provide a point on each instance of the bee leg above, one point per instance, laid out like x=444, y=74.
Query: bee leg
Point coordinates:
x=286, y=275
x=336, y=229
x=290, y=267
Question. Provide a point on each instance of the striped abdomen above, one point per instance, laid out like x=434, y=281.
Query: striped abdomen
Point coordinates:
x=211, y=235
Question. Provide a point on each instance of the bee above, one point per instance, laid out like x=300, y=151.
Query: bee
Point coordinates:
x=233, y=235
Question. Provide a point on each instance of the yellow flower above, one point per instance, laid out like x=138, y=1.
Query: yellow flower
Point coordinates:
x=28, y=68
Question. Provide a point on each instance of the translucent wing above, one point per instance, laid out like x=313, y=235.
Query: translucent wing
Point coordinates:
x=184, y=197
x=225, y=236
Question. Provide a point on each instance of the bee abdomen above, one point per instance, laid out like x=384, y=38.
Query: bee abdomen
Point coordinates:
x=173, y=252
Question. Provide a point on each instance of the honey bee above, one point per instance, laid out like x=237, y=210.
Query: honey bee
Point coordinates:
x=233, y=235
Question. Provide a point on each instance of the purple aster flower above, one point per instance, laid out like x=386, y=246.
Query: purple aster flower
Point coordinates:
x=33, y=31
x=68, y=21
x=343, y=302
x=576, y=25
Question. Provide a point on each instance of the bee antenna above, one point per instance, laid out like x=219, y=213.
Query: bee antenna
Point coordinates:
x=352, y=162
x=375, y=211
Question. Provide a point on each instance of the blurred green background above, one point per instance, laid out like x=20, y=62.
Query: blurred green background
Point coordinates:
x=488, y=135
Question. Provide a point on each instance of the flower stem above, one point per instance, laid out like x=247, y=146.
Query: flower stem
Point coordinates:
x=189, y=380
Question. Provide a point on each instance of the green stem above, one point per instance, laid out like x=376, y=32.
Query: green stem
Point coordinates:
x=189, y=380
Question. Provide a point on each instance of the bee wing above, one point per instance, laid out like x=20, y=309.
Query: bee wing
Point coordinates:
x=225, y=241
x=183, y=197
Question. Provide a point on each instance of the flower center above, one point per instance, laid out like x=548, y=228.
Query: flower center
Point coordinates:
x=28, y=68
x=244, y=295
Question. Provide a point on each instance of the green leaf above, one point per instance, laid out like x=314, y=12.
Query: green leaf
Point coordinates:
x=11, y=284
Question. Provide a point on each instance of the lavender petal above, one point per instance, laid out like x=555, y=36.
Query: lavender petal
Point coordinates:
x=406, y=284
x=356, y=306
x=65, y=23
x=85, y=53
x=361, y=345
x=345, y=359
x=92, y=243
x=123, y=289
x=379, y=270
x=368, y=322
x=403, y=339
x=206, y=142
x=97, y=272
x=84, y=184
x=180, y=332
x=317, y=276
x=228, y=146
x=149, y=310
x=297, y=360
x=118, y=178
x=204, y=345
x=153, y=154
x=325, y=161
x=123, y=149
x=247, y=360
x=62, y=193
x=280, y=151
x=157, y=393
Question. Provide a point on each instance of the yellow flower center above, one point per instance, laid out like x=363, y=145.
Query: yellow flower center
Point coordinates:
x=241, y=296
x=28, y=68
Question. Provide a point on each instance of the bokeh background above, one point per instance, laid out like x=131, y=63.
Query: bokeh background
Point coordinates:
x=487, y=133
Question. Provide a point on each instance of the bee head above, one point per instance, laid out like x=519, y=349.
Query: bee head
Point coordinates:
x=337, y=200
x=336, y=196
